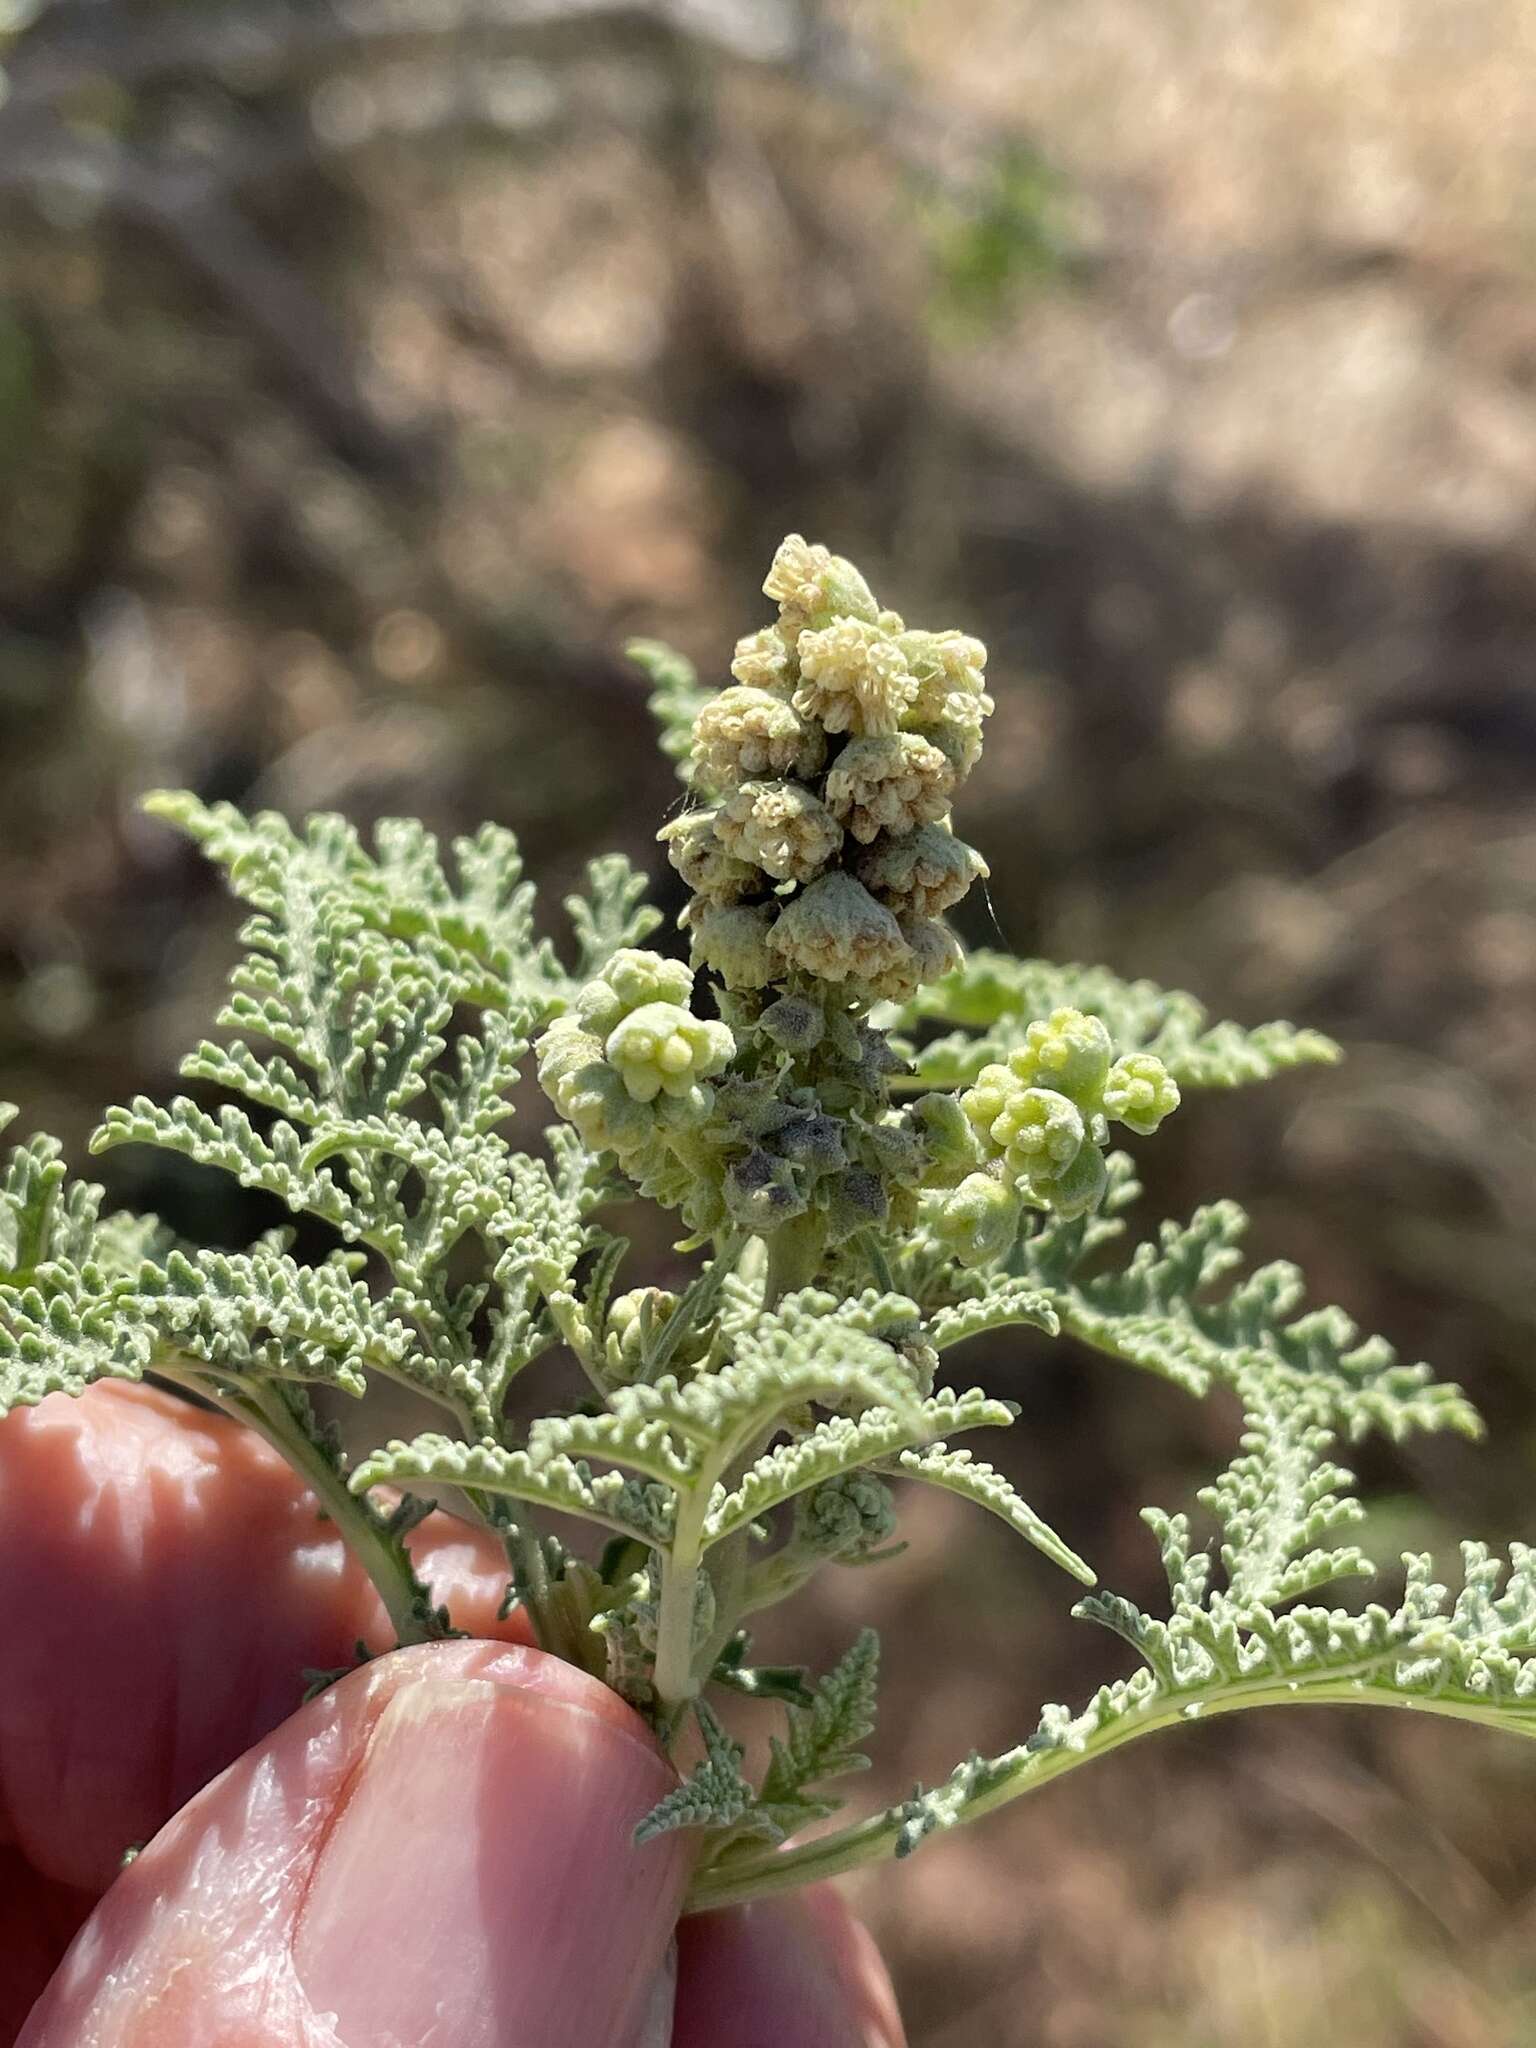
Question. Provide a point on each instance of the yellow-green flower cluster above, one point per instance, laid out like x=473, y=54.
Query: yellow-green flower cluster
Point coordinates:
x=828, y=767
x=629, y=1067
x=1041, y=1119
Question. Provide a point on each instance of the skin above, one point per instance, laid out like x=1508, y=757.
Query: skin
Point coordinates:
x=436, y=1851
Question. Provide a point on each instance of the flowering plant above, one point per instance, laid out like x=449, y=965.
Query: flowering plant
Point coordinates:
x=876, y=1150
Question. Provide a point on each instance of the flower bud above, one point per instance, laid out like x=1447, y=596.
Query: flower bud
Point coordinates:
x=633, y=1318
x=978, y=1221
x=949, y=1143
x=1067, y=1051
x=733, y=941
x=662, y=1047
x=1076, y=1190
x=589, y=1093
x=630, y=979
x=1140, y=1092
x=1041, y=1133
x=847, y=1517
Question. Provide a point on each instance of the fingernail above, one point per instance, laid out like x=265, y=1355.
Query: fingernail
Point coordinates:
x=480, y=1884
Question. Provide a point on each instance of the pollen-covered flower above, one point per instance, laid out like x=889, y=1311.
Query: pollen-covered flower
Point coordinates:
x=744, y=733
x=732, y=940
x=700, y=856
x=944, y=666
x=836, y=931
x=812, y=586
x=1139, y=1092
x=783, y=828
x=794, y=576
x=891, y=784
x=853, y=678
x=765, y=661
x=662, y=1048
x=923, y=874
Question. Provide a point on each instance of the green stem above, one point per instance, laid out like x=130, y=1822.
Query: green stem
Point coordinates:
x=673, y=1676
x=794, y=1256
x=879, y=1265
x=518, y=1533
x=1026, y=1770
x=382, y=1555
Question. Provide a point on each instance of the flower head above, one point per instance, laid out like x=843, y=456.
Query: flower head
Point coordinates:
x=732, y=940
x=764, y=661
x=781, y=827
x=944, y=666
x=921, y=874
x=1069, y=1051
x=1139, y=1092
x=699, y=854
x=745, y=733
x=812, y=586
x=630, y=978
x=978, y=1220
x=889, y=784
x=836, y=931
x=853, y=678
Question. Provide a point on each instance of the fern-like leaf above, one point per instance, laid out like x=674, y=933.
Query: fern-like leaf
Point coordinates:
x=675, y=701
x=713, y=1795
x=844, y=1444
x=628, y=1507
x=958, y=1472
x=1175, y=1309
x=823, y=1740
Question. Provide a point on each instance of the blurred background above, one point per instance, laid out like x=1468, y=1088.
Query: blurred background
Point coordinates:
x=370, y=370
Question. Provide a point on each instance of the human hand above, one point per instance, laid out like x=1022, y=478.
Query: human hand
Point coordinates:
x=435, y=1853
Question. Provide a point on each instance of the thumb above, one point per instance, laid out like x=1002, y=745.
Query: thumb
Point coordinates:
x=437, y=1851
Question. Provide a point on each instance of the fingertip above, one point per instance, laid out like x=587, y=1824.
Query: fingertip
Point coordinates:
x=792, y=1972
